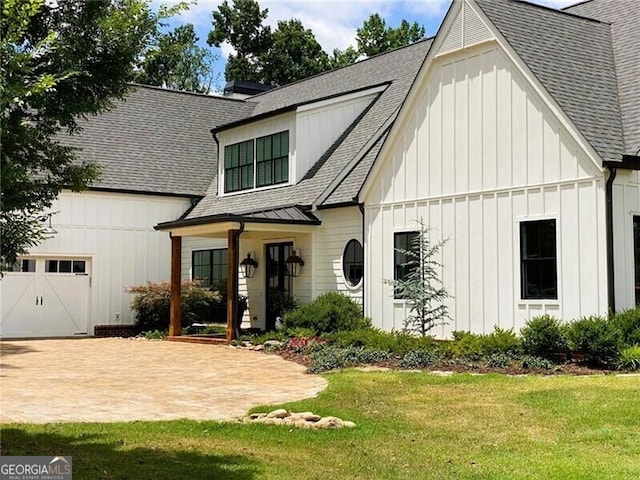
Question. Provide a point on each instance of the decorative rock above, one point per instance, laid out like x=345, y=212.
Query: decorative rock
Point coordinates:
x=256, y=416
x=272, y=421
x=279, y=413
x=309, y=416
x=348, y=424
x=273, y=343
x=258, y=348
x=329, y=422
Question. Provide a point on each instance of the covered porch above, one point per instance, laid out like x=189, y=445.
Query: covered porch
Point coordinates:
x=268, y=253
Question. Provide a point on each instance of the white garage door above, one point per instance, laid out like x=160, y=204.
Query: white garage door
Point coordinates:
x=46, y=297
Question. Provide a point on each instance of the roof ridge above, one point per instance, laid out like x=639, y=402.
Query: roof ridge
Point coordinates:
x=326, y=72
x=185, y=92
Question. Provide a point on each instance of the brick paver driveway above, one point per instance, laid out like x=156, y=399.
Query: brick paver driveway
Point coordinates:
x=113, y=379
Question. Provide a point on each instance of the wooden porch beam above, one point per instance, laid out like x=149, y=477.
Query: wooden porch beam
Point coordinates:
x=232, y=282
x=175, y=328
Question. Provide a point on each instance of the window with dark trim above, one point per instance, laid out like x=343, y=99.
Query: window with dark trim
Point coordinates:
x=210, y=267
x=238, y=166
x=402, y=241
x=538, y=260
x=272, y=159
x=353, y=262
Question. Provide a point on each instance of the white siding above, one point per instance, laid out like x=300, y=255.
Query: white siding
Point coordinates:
x=626, y=204
x=329, y=240
x=116, y=232
x=318, y=128
x=488, y=154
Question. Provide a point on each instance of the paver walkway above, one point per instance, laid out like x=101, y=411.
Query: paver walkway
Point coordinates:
x=114, y=379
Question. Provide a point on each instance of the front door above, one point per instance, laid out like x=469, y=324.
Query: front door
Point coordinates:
x=279, y=281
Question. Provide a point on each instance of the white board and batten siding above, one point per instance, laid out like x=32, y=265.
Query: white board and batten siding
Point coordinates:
x=114, y=233
x=477, y=152
x=339, y=226
x=626, y=205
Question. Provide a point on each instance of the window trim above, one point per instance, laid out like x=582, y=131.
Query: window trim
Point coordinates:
x=255, y=187
x=395, y=266
x=519, y=254
x=210, y=265
x=348, y=284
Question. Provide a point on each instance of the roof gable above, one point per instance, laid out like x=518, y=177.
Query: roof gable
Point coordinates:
x=572, y=57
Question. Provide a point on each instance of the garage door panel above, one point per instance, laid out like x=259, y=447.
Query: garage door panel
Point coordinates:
x=64, y=305
x=18, y=304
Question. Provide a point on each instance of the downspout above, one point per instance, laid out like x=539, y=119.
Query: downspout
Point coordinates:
x=610, y=259
x=361, y=208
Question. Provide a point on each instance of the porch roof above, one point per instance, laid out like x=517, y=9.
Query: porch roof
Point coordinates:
x=286, y=215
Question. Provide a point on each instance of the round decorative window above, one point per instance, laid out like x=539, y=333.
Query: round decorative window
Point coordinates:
x=353, y=262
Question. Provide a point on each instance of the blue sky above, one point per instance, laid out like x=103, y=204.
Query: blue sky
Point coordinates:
x=334, y=22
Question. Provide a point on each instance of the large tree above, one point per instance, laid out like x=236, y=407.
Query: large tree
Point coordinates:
x=241, y=26
x=177, y=61
x=60, y=61
x=375, y=37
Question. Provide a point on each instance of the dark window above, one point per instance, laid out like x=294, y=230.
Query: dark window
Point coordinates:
x=51, y=266
x=272, y=159
x=538, y=260
x=24, y=266
x=238, y=166
x=403, y=241
x=210, y=267
x=353, y=262
x=636, y=251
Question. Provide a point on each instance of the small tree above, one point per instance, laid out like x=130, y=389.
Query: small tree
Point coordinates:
x=421, y=287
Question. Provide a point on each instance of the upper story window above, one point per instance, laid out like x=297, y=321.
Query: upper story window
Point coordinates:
x=256, y=163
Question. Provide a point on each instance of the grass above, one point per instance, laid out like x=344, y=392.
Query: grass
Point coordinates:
x=410, y=425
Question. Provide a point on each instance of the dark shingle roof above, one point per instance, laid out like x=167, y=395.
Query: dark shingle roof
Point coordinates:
x=156, y=140
x=624, y=17
x=398, y=67
x=573, y=59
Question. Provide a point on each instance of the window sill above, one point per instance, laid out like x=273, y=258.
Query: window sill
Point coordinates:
x=538, y=301
x=252, y=190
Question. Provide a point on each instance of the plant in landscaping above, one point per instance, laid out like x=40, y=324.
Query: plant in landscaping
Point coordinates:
x=155, y=335
x=627, y=323
x=499, y=360
x=598, y=338
x=537, y=363
x=629, y=358
x=421, y=287
x=419, y=358
x=397, y=343
x=151, y=303
x=330, y=312
x=331, y=357
x=543, y=336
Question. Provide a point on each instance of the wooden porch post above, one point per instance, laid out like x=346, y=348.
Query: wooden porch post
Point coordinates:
x=175, y=328
x=232, y=282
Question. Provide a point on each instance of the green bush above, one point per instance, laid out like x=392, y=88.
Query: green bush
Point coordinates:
x=537, y=363
x=543, y=336
x=330, y=312
x=598, y=338
x=629, y=358
x=151, y=304
x=418, y=358
x=628, y=324
x=499, y=360
x=332, y=357
x=397, y=343
x=156, y=335
x=476, y=346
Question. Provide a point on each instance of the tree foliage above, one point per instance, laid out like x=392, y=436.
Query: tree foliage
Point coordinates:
x=176, y=61
x=375, y=37
x=422, y=288
x=60, y=61
x=291, y=52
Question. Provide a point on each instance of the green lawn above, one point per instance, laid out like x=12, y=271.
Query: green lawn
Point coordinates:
x=410, y=425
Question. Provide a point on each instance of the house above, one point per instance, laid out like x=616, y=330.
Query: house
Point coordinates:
x=514, y=133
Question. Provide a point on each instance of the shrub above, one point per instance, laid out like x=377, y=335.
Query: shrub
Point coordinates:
x=397, y=343
x=475, y=346
x=272, y=335
x=499, y=360
x=537, y=363
x=151, y=304
x=543, y=336
x=332, y=357
x=419, y=358
x=629, y=358
x=628, y=324
x=598, y=338
x=330, y=312
x=155, y=335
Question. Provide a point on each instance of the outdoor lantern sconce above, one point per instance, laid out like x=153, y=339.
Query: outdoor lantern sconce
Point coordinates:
x=249, y=265
x=49, y=231
x=294, y=263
